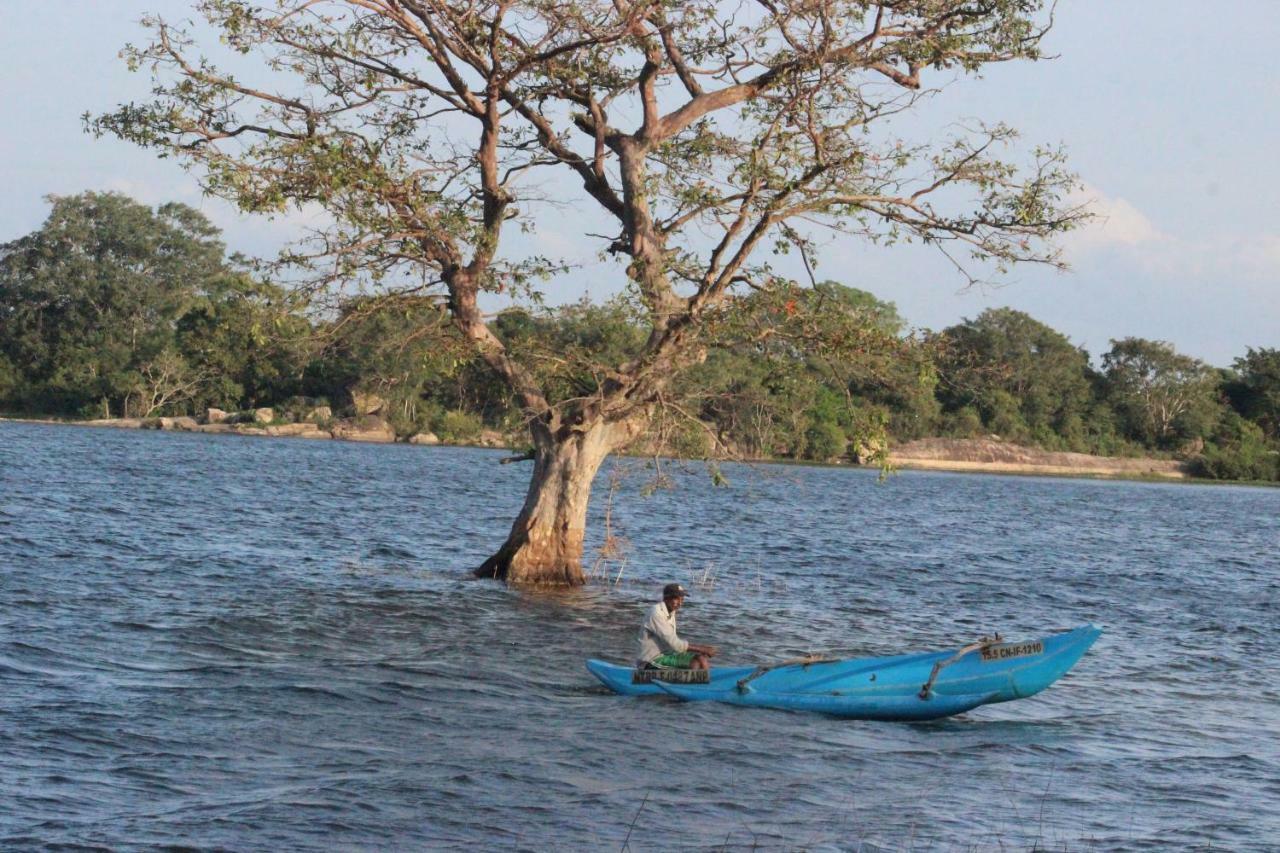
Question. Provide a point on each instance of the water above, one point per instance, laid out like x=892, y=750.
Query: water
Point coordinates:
x=272, y=644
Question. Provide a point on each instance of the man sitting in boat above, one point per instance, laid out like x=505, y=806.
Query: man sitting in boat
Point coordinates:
x=660, y=645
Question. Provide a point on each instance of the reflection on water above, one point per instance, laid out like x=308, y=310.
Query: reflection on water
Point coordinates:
x=240, y=643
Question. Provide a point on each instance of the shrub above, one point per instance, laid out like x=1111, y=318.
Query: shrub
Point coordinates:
x=823, y=441
x=457, y=426
x=1238, y=451
x=1004, y=417
x=962, y=423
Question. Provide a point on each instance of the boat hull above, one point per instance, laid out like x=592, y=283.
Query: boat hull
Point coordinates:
x=884, y=688
x=618, y=678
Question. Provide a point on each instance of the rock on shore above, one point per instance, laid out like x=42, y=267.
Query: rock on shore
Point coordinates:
x=366, y=428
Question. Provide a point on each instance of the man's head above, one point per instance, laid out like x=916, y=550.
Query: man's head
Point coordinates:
x=673, y=594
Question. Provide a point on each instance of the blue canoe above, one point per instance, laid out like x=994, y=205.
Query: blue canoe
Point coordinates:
x=921, y=686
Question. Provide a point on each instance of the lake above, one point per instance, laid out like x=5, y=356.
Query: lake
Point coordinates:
x=240, y=643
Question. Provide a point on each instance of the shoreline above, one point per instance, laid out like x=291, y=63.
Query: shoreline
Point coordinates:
x=993, y=456
x=961, y=456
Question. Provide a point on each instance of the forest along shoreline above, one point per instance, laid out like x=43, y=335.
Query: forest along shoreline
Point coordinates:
x=989, y=455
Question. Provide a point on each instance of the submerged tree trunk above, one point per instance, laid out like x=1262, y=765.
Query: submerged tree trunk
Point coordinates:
x=545, y=543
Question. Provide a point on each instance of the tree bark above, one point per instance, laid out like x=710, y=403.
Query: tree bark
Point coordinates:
x=544, y=547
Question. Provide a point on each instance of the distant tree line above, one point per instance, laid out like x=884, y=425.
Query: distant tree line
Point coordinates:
x=115, y=309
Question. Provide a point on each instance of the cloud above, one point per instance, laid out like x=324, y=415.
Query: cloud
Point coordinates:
x=1256, y=257
x=1122, y=232
x=1117, y=223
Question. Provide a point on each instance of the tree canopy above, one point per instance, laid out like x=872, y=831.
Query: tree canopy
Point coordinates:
x=1162, y=394
x=701, y=131
x=114, y=307
x=692, y=140
x=1256, y=392
x=1026, y=379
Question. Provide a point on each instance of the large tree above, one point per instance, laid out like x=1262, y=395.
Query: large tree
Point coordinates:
x=1019, y=373
x=89, y=302
x=687, y=137
x=1162, y=395
x=1256, y=390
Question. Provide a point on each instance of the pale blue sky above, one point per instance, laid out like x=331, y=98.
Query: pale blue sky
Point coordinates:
x=1171, y=116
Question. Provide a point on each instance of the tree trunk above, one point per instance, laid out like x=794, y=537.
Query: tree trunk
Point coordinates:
x=545, y=544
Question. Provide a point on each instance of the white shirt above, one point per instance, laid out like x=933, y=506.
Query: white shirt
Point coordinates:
x=658, y=634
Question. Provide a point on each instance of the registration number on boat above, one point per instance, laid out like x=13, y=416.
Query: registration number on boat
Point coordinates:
x=1004, y=651
x=672, y=676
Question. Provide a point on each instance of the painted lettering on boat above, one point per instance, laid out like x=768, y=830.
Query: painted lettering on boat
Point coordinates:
x=1004, y=651
x=672, y=676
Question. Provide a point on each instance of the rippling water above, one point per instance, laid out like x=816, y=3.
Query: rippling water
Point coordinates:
x=240, y=643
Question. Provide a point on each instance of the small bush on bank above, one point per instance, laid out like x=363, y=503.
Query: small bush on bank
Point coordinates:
x=962, y=423
x=457, y=426
x=1238, y=450
x=824, y=441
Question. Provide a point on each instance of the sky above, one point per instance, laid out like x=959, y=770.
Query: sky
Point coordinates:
x=1170, y=116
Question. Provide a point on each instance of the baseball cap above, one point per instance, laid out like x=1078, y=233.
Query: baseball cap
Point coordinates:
x=673, y=590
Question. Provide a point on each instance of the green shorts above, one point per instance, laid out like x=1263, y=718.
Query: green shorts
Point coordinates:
x=678, y=660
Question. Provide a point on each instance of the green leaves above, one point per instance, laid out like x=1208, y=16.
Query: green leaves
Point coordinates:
x=1163, y=395
x=1022, y=376
x=100, y=304
x=699, y=134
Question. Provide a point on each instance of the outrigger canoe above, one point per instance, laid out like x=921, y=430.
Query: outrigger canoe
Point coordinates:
x=922, y=686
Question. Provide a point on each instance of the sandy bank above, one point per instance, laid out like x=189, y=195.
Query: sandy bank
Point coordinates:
x=986, y=455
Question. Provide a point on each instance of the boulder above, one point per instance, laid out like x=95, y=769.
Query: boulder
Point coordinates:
x=320, y=414
x=264, y=415
x=218, y=428
x=1191, y=449
x=365, y=403
x=119, y=423
x=491, y=438
x=424, y=438
x=298, y=431
x=364, y=429
x=215, y=416
x=181, y=423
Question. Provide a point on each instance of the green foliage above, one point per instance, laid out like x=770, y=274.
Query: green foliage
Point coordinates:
x=964, y=422
x=1022, y=376
x=572, y=349
x=689, y=440
x=1162, y=398
x=241, y=336
x=457, y=426
x=401, y=350
x=409, y=421
x=112, y=307
x=1255, y=391
x=824, y=441
x=794, y=372
x=1002, y=415
x=1238, y=450
x=11, y=379
x=869, y=310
